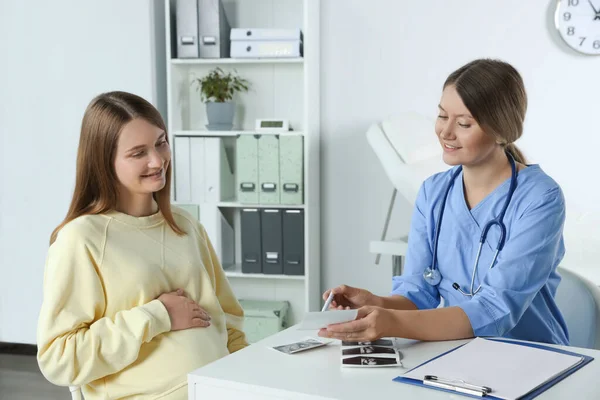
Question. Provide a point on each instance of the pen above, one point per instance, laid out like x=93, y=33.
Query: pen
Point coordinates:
x=328, y=301
x=455, y=388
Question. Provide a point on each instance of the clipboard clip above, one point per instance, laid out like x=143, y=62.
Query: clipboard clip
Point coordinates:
x=456, y=385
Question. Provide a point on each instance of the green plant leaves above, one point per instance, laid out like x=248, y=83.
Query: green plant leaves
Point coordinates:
x=219, y=86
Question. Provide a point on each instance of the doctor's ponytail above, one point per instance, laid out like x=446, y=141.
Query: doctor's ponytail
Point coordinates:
x=494, y=93
x=516, y=153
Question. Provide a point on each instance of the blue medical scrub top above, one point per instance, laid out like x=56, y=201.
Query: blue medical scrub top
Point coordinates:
x=516, y=299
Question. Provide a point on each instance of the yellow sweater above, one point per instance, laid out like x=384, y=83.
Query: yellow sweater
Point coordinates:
x=101, y=325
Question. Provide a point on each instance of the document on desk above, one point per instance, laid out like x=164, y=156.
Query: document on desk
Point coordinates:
x=512, y=371
x=317, y=320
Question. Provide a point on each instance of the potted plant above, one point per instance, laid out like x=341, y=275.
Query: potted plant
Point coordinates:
x=217, y=90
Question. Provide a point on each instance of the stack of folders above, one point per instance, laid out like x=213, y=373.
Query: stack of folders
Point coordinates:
x=496, y=369
x=266, y=43
x=269, y=169
x=272, y=241
x=379, y=353
x=204, y=176
x=202, y=29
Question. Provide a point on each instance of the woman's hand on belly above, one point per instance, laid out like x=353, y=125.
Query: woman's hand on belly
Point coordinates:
x=184, y=312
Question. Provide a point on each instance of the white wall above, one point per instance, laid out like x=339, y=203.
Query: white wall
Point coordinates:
x=56, y=56
x=384, y=56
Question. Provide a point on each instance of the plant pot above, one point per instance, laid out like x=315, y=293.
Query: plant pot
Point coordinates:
x=220, y=116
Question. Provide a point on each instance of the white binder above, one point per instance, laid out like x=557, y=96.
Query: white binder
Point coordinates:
x=219, y=177
x=212, y=179
x=186, y=25
x=181, y=152
x=204, y=176
x=265, y=34
x=198, y=170
x=266, y=49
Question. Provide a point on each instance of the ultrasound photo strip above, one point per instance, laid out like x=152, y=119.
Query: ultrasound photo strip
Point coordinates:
x=297, y=347
x=378, y=342
x=375, y=351
x=371, y=362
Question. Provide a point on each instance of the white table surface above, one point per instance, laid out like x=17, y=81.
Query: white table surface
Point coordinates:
x=259, y=372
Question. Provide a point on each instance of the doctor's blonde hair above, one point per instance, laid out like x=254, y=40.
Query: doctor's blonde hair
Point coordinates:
x=494, y=93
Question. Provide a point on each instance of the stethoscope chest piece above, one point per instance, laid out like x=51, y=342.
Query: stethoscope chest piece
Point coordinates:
x=432, y=276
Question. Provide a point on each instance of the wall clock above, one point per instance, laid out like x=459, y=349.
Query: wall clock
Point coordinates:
x=578, y=22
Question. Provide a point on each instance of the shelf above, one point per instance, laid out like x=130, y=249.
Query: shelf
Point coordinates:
x=234, y=204
x=215, y=61
x=235, y=271
x=281, y=88
x=231, y=133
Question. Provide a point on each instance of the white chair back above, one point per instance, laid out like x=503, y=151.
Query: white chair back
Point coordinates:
x=579, y=301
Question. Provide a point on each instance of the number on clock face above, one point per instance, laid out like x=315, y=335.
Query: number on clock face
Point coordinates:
x=578, y=22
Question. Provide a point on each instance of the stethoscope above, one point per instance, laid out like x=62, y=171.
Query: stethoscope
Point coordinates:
x=432, y=274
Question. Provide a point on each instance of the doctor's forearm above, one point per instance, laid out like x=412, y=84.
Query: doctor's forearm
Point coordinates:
x=428, y=325
x=394, y=303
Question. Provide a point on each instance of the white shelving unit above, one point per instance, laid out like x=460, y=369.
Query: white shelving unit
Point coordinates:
x=280, y=88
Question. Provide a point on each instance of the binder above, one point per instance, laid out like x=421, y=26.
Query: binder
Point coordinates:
x=213, y=29
x=266, y=49
x=251, y=241
x=219, y=178
x=181, y=152
x=203, y=177
x=197, y=170
x=268, y=169
x=291, y=169
x=247, y=169
x=210, y=178
x=251, y=34
x=272, y=245
x=186, y=15
x=293, y=242
x=466, y=387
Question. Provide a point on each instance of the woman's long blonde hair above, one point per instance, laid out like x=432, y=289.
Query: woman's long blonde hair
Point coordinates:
x=96, y=184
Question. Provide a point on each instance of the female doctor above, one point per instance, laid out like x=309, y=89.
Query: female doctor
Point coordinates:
x=486, y=235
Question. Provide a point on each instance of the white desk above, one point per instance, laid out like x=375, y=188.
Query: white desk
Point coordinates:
x=258, y=372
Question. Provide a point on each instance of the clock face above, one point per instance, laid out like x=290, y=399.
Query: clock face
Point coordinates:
x=578, y=22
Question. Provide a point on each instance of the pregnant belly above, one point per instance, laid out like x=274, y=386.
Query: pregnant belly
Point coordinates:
x=167, y=359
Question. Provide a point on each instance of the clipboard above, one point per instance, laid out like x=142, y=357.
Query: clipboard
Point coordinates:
x=472, y=390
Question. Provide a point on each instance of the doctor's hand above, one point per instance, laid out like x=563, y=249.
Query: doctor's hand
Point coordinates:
x=348, y=297
x=371, y=323
x=185, y=313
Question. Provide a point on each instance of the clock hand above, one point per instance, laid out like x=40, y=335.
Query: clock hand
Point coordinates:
x=593, y=8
